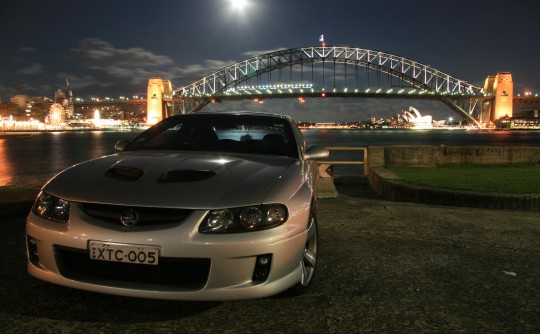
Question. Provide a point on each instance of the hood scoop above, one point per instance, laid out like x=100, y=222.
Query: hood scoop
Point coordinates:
x=124, y=173
x=185, y=175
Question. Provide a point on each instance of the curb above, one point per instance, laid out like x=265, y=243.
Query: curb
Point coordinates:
x=389, y=185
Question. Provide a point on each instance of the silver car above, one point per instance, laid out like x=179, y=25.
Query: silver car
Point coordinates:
x=204, y=206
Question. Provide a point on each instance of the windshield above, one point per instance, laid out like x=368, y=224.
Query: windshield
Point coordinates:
x=254, y=134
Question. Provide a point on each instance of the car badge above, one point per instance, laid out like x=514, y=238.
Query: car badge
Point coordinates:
x=129, y=217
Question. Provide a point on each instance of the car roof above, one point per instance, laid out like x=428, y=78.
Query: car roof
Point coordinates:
x=236, y=113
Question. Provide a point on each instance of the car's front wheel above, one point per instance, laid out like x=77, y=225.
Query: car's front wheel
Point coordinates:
x=309, y=259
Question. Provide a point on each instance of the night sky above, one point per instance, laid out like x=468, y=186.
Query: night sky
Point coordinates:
x=111, y=48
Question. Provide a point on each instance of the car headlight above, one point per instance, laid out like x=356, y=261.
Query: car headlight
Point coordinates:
x=246, y=219
x=50, y=207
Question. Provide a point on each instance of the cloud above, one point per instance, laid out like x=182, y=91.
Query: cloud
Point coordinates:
x=188, y=74
x=97, y=53
x=251, y=54
x=208, y=66
x=120, y=71
x=111, y=68
x=108, y=70
x=33, y=69
x=27, y=49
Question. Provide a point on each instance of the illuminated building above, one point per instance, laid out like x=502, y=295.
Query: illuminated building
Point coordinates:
x=416, y=120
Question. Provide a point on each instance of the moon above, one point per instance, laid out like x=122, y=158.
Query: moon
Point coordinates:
x=238, y=4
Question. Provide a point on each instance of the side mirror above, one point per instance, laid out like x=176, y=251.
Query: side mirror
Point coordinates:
x=121, y=145
x=316, y=152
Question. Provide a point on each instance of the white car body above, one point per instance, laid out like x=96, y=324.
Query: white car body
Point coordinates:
x=80, y=232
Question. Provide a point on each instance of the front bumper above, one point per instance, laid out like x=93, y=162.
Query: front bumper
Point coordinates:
x=226, y=262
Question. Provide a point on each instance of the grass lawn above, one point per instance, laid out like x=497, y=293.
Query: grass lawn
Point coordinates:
x=508, y=179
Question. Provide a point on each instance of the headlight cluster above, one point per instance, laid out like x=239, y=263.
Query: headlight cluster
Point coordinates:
x=51, y=207
x=246, y=219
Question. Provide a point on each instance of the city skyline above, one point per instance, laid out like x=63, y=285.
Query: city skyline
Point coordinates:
x=112, y=48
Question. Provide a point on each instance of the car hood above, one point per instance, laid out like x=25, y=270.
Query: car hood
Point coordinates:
x=172, y=179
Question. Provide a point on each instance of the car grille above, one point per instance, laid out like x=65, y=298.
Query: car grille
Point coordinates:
x=147, y=216
x=185, y=273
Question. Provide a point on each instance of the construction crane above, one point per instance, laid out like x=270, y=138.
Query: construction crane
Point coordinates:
x=70, y=108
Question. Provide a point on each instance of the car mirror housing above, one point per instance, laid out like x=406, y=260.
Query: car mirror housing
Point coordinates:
x=121, y=145
x=316, y=152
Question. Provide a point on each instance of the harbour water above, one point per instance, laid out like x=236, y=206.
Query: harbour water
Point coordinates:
x=31, y=159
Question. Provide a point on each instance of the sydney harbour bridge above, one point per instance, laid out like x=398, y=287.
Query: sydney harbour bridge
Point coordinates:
x=331, y=71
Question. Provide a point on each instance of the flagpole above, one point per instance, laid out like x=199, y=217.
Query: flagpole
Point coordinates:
x=321, y=39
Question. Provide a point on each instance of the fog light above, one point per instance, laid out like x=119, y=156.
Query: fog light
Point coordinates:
x=262, y=268
x=260, y=274
x=32, y=250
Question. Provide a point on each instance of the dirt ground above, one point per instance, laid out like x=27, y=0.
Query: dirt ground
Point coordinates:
x=427, y=268
x=383, y=266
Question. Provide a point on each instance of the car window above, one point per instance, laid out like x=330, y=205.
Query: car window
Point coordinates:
x=160, y=139
x=269, y=139
x=220, y=133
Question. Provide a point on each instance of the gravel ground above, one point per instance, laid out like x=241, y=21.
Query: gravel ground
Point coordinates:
x=383, y=267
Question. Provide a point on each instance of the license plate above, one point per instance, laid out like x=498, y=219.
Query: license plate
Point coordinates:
x=127, y=253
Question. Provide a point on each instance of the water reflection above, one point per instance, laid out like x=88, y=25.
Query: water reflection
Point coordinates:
x=57, y=155
x=5, y=166
x=35, y=158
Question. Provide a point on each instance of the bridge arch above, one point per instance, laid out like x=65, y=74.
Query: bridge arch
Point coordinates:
x=424, y=78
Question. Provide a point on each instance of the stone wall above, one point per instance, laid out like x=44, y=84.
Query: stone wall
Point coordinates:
x=389, y=185
x=432, y=156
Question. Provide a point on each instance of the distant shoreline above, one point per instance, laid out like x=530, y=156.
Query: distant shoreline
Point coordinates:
x=11, y=133
x=23, y=133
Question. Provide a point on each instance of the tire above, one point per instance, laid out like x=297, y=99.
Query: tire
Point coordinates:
x=308, y=261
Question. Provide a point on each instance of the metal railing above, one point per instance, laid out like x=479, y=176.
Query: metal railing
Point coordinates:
x=363, y=162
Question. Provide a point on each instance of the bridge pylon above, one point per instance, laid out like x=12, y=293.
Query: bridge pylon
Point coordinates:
x=159, y=100
x=501, y=87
